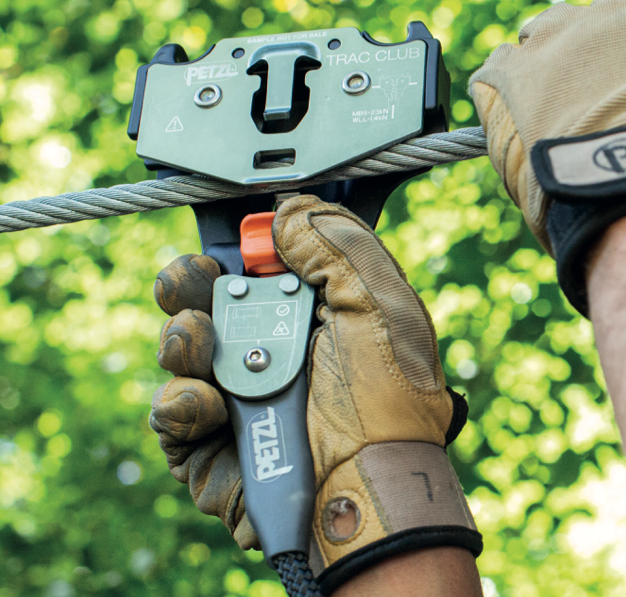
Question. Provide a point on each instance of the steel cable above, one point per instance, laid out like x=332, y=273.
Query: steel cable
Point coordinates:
x=412, y=154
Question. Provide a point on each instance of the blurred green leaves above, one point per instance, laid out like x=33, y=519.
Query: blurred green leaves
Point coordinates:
x=86, y=503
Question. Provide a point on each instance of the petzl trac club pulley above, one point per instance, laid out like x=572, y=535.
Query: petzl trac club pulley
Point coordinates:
x=264, y=109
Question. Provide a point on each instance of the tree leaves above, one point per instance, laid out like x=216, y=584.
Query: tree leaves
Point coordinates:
x=87, y=505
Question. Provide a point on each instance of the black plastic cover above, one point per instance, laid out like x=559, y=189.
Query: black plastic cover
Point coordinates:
x=168, y=54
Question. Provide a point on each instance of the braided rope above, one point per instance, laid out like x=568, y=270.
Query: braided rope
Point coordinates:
x=296, y=575
x=412, y=154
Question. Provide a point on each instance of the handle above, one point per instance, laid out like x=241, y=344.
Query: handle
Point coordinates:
x=276, y=468
x=262, y=327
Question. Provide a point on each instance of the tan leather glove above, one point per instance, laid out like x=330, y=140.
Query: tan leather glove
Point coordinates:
x=379, y=414
x=567, y=77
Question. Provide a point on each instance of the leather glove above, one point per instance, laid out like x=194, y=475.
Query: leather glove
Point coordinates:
x=565, y=79
x=379, y=414
x=188, y=412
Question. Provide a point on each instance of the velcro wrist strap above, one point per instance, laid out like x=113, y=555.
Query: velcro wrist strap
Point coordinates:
x=408, y=497
x=580, y=169
x=586, y=178
x=573, y=228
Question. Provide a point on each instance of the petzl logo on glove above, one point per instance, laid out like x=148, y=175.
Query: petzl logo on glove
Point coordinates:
x=582, y=168
x=265, y=438
x=612, y=157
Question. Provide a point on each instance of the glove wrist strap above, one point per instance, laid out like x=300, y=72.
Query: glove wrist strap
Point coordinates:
x=584, y=168
x=586, y=178
x=406, y=496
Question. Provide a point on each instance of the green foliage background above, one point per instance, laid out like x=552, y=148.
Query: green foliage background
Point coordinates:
x=87, y=505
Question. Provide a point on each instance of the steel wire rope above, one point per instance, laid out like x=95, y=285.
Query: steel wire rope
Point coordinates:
x=412, y=154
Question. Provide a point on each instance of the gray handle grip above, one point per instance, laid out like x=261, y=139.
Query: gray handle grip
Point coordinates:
x=276, y=468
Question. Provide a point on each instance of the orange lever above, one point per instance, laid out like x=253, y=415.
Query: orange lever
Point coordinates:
x=257, y=246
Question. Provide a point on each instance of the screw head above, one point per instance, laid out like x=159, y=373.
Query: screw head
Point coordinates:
x=257, y=359
x=356, y=83
x=289, y=283
x=237, y=287
x=208, y=96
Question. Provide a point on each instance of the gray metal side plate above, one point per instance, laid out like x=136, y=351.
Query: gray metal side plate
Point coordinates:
x=265, y=317
x=222, y=141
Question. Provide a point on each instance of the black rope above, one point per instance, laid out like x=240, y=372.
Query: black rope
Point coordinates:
x=296, y=575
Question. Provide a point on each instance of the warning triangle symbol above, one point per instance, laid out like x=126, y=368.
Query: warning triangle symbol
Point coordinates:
x=281, y=329
x=175, y=126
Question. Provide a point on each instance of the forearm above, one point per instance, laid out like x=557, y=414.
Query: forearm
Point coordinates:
x=606, y=288
x=433, y=572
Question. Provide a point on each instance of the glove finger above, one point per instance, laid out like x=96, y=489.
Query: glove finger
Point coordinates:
x=190, y=417
x=328, y=246
x=549, y=22
x=505, y=147
x=506, y=152
x=211, y=468
x=215, y=485
x=215, y=482
x=186, y=283
x=180, y=457
x=186, y=410
x=245, y=535
x=186, y=346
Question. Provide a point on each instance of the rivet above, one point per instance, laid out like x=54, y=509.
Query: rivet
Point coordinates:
x=289, y=283
x=237, y=287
